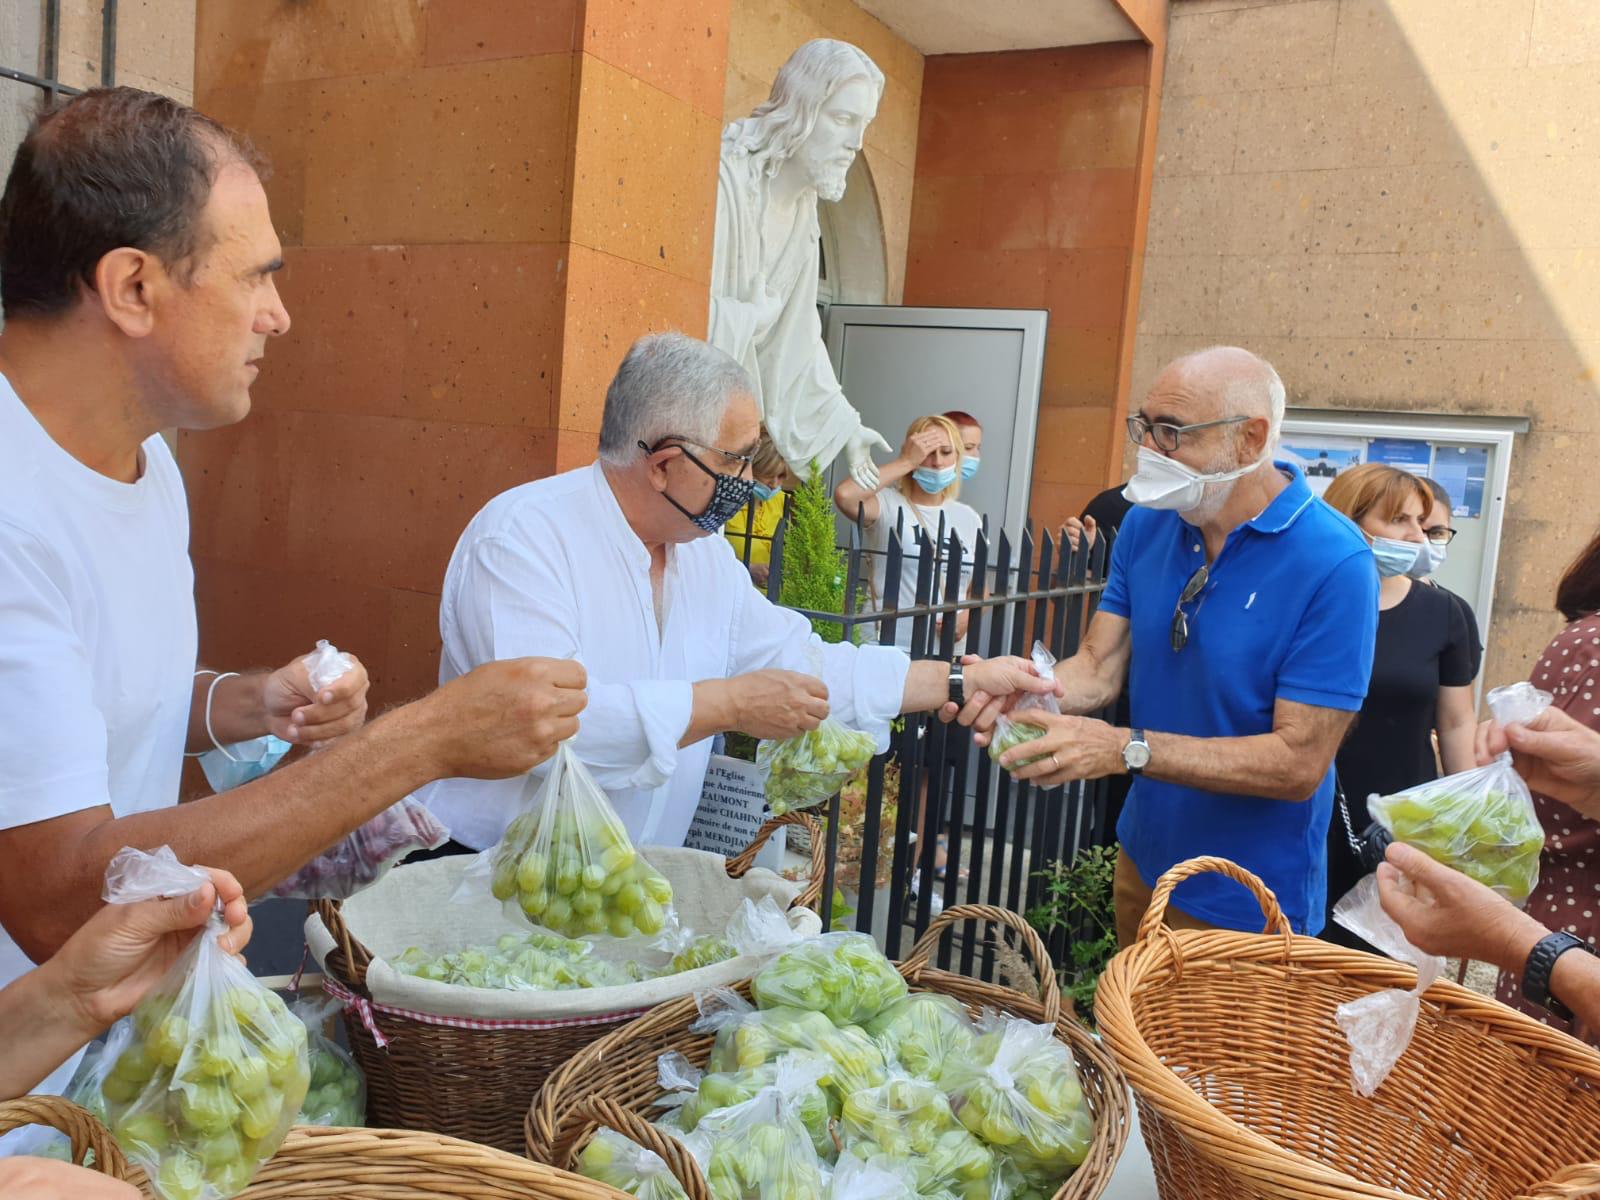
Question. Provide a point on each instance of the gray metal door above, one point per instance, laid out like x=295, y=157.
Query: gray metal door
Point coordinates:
x=897, y=364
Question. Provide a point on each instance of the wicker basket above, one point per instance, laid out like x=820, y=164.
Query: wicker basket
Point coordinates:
x=317, y=1163
x=476, y=1083
x=613, y=1080
x=1243, y=1081
x=79, y=1125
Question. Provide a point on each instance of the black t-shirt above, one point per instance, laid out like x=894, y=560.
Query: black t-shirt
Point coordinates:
x=1472, y=629
x=1424, y=643
x=1109, y=508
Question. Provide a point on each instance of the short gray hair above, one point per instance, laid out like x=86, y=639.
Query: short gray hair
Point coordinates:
x=669, y=385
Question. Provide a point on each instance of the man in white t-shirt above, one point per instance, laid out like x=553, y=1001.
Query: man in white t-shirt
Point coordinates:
x=136, y=272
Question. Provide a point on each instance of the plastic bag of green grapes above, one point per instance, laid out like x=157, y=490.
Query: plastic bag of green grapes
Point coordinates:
x=760, y=1149
x=746, y=1039
x=208, y=1074
x=923, y=1033
x=695, y=1094
x=612, y=1159
x=566, y=864
x=844, y=976
x=1020, y=1094
x=1008, y=731
x=1481, y=822
x=911, y=1120
x=805, y=770
x=338, y=1091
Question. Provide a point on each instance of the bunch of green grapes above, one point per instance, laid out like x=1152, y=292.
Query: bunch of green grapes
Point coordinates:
x=335, y=1096
x=578, y=874
x=855, y=1061
x=844, y=976
x=1492, y=836
x=703, y=951
x=1021, y=1095
x=805, y=770
x=815, y=1106
x=923, y=1033
x=1009, y=733
x=612, y=1159
x=201, y=1101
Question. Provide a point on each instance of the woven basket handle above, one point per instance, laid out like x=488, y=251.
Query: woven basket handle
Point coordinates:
x=356, y=956
x=1275, y=920
x=812, y=892
x=914, y=963
x=1570, y=1183
x=636, y=1129
x=78, y=1124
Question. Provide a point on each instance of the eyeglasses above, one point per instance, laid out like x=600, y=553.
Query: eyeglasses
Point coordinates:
x=1180, y=619
x=1439, y=535
x=1166, y=435
x=744, y=461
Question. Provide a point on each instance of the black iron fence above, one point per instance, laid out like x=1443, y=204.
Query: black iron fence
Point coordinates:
x=951, y=801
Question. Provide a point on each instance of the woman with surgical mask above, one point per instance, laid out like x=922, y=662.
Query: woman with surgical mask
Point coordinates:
x=1421, y=674
x=916, y=494
x=752, y=539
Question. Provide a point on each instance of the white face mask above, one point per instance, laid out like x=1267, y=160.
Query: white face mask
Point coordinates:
x=1162, y=482
x=1430, y=561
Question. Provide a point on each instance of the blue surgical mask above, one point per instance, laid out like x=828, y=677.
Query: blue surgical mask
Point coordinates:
x=933, y=482
x=969, y=466
x=762, y=491
x=1430, y=560
x=1396, y=557
x=238, y=764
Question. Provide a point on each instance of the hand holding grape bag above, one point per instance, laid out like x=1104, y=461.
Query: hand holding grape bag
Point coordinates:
x=1480, y=822
x=1009, y=732
x=566, y=863
x=807, y=769
x=207, y=1075
x=364, y=855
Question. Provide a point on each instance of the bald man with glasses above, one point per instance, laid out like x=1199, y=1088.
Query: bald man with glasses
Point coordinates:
x=1240, y=615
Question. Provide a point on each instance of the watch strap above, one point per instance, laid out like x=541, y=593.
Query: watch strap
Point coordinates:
x=958, y=686
x=1541, y=963
x=1135, y=738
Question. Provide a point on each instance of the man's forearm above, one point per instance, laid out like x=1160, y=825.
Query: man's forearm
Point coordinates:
x=39, y=1031
x=263, y=831
x=1086, y=687
x=1263, y=765
x=927, y=685
x=1575, y=980
x=713, y=711
x=238, y=709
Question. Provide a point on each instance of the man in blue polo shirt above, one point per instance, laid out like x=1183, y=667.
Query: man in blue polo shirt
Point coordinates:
x=1240, y=613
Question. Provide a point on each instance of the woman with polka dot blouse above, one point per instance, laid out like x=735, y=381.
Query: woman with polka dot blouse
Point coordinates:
x=1568, y=895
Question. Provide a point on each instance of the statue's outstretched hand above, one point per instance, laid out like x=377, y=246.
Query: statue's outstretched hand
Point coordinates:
x=858, y=454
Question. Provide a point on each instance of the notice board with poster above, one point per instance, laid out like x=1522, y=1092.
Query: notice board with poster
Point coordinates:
x=733, y=807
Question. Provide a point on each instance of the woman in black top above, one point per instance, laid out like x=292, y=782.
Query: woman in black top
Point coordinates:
x=1422, y=667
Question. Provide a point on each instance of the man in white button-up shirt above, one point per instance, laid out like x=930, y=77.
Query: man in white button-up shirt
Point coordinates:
x=615, y=564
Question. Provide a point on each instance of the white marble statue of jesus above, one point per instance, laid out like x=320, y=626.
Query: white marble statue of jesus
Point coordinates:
x=794, y=148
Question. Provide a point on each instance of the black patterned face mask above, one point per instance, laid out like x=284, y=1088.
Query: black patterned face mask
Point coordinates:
x=732, y=492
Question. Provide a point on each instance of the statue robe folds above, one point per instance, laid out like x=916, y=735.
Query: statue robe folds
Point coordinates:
x=802, y=405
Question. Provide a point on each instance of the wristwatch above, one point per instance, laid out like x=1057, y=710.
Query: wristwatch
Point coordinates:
x=1541, y=962
x=1136, y=754
x=958, y=686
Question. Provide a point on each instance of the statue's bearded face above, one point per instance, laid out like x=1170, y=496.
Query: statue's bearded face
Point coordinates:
x=835, y=139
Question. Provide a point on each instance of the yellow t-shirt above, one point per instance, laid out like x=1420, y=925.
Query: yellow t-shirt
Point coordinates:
x=768, y=514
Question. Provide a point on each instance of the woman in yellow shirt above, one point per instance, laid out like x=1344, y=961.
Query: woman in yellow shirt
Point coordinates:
x=772, y=481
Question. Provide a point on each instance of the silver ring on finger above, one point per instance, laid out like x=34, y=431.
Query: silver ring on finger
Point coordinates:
x=1053, y=762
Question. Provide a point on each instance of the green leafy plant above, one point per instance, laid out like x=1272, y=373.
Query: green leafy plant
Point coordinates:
x=1079, y=898
x=813, y=565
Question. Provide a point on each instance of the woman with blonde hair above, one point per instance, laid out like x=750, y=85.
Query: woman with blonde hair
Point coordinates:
x=917, y=493
x=1422, y=668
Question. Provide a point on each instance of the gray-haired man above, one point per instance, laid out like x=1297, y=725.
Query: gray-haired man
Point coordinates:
x=615, y=564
